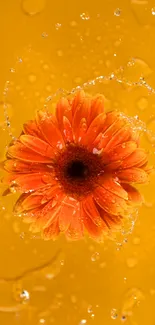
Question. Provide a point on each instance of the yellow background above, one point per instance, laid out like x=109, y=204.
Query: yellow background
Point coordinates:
x=46, y=45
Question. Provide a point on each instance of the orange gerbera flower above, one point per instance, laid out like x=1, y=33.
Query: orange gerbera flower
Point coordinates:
x=74, y=169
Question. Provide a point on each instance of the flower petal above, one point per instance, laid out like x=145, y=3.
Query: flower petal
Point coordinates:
x=30, y=182
x=119, y=152
x=50, y=130
x=133, y=194
x=75, y=230
x=112, y=185
x=90, y=209
x=38, y=198
x=22, y=167
x=68, y=209
x=113, y=222
x=97, y=107
x=46, y=215
x=19, y=151
x=133, y=175
x=81, y=113
x=137, y=159
x=31, y=128
x=109, y=202
x=93, y=131
x=113, y=123
x=63, y=109
x=37, y=145
x=77, y=101
x=64, y=118
x=94, y=231
x=122, y=135
x=52, y=231
x=27, y=202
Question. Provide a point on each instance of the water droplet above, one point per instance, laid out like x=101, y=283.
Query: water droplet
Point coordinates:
x=12, y=70
x=153, y=11
x=114, y=313
x=123, y=318
x=131, y=262
x=22, y=235
x=83, y=321
x=73, y=299
x=49, y=88
x=42, y=321
x=57, y=26
x=25, y=296
x=98, y=38
x=117, y=12
x=136, y=241
x=85, y=16
x=89, y=309
x=103, y=265
x=92, y=316
x=59, y=53
x=44, y=35
x=136, y=68
x=107, y=63
x=32, y=78
x=131, y=299
x=33, y=7
x=95, y=257
x=45, y=66
x=20, y=60
x=150, y=133
x=78, y=80
x=152, y=292
x=142, y=103
x=73, y=23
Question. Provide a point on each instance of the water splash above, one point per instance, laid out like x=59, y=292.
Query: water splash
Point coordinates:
x=116, y=76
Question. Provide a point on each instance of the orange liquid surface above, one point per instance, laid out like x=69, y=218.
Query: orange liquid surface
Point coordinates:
x=45, y=46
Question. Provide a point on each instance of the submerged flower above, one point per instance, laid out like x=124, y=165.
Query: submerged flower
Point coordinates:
x=74, y=169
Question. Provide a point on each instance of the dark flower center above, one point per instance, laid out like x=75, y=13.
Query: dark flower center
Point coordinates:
x=77, y=170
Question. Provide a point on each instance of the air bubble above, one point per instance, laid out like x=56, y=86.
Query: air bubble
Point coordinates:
x=32, y=78
x=85, y=16
x=117, y=12
x=142, y=103
x=33, y=7
x=114, y=313
x=59, y=53
x=12, y=70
